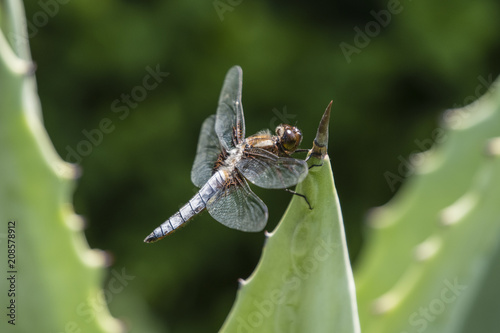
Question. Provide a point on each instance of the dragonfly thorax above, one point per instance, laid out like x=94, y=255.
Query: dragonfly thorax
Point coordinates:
x=233, y=157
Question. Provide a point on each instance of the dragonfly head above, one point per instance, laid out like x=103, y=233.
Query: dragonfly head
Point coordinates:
x=289, y=137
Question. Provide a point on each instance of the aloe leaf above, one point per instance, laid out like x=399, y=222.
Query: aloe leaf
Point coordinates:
x=303, y=282
x=432, y=247
x=53, y=282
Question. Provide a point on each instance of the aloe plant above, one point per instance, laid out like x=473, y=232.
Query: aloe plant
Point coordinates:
x=430, y=249
x=431, y=253
x=303, y=282
x=54, y=279
x=430, y=263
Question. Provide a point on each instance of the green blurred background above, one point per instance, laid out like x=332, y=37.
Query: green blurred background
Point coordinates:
x=430, y=56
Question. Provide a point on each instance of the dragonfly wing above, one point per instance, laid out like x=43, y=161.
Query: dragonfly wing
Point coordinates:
x=237, y=207
x=267, y=170
x=229, y=121
x=206, y=154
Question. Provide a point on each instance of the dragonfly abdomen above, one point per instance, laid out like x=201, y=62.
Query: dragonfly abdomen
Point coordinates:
x=194, y=206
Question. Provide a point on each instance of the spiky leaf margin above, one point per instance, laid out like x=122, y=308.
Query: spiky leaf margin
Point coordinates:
x=57, y=277
x=431, y=247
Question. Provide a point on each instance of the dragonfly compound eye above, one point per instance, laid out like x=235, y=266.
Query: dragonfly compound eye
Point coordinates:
x=291, y=138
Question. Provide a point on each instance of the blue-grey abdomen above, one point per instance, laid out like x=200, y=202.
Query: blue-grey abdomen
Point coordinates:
x=194, y=206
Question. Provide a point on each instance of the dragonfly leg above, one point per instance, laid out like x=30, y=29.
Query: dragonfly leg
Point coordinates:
x=300, y=195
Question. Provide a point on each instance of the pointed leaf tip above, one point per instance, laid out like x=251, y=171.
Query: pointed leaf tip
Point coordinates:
x=320, y=143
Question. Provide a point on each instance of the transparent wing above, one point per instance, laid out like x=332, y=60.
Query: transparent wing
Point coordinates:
x=206, y=154
x=229, y=120
x=267, y=170
x=237, y=207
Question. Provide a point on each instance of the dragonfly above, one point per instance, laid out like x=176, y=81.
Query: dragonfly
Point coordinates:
x=225, y=161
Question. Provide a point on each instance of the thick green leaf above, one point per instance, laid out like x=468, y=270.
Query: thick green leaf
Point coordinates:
x=303, y=282
x=432, y=247
x=54, y=278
